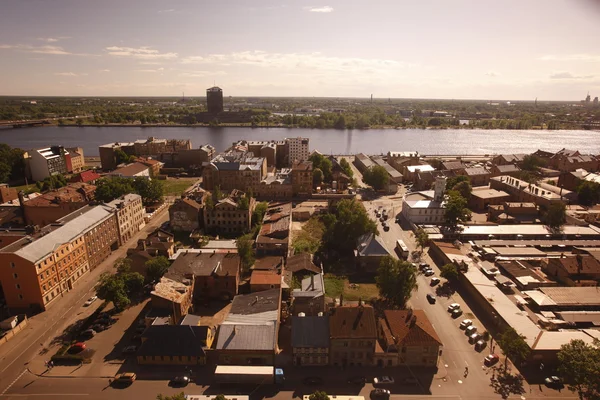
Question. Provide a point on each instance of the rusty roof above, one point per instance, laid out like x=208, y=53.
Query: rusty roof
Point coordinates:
x=72, y=193
x=411, y=328
x=301, y=262
x=353, y=322
x=270, y=277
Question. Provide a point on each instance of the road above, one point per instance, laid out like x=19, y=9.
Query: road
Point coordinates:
x=42, y=328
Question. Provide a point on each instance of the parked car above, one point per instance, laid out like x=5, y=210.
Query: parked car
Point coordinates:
x=474, y=338
x=553, y=382
x=125, y=378
x=480, y=345
x=471, y=329
x=313, y=380
x=182, y=380
x=428, y=272
x=397, y=220
x=89, y=333
x=357, y=380
x=77, y=348
x=423, y=266
x=90, y=301
x=383, y=380
x=130, y=349
x=465, y=323
x=430, y=298
x=491, y=360
x=434, y=281
x=380, y=393
x=456, y=313
x=453, y=306
x=99, y=327
x=386, y=227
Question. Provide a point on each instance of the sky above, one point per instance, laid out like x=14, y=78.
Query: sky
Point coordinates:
x=460, y=49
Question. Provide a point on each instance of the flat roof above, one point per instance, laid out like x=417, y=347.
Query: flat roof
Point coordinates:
x=583, y=296
x=518, y=251
x=541, y=243
x=422, y=168
x=527, y=229
x=489, y=193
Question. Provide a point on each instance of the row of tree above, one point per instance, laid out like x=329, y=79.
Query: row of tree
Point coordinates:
x=110, y=188
x=12, y=163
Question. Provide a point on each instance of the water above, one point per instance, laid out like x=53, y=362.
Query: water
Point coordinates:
x=372, y=141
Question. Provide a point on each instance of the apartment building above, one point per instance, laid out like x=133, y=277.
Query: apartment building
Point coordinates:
x=47, y=263
x=48, y=161
x=234, y=170
x=55, y=204
x=353, y=334
x=231, y=215
x=570, y=160
x=130, y=216
x=297, y=149
x=542, y=194
x=108, y=158
x=302, y=177
x=141, y=148
x=77, y=159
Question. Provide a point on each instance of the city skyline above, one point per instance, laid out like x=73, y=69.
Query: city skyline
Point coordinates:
x=466, y=50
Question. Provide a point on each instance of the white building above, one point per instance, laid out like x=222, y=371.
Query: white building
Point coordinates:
x=47, y=162
x=426, y=207
x=130, y=215
x=297, y=149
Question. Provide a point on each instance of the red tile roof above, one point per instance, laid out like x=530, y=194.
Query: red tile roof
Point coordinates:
x=411, y=329
x=353, y=322
x=269, y=277
x=85, y=176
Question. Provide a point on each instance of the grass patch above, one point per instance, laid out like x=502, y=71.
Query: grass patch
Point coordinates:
x=26, y=188
x=175, y=187
x=336, y=285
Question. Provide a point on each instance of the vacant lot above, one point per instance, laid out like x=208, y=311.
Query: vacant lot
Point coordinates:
x=175, y=187
x=336, y=285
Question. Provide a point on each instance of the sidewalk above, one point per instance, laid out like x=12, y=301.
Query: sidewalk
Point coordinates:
x=38, y=368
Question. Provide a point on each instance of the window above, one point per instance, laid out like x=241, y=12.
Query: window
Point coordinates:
x=18, y=286
x=15, y=275
x=20, y=297
x=12, y=264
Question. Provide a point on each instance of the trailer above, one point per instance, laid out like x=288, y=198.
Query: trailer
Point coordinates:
x=249, y=374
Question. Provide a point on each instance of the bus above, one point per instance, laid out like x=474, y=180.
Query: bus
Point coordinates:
x=249, y=374
x=402, y=249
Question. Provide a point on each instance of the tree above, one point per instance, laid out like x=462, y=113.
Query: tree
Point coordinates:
x=52, y=182
x=377, y=177
x=121, y=157
x=464, y=188
x=513, y=346
x=456, y=209
x=221, y=397
x=181, y=396
x=12, y=163
x=246, y=251
x=318, y=395
x=579, y=365
x=309, y=239
x=345, y=165
x=108, y=189
x=422, y=238
x=588, y=193
x=156, y=268
x=449, y=271
x=396, y=281
x=243, y=203
x=112, y=288
x=340, y=123
x=532, y=163
x=323, y=163
x=451, y=182
x=556, y=215
x=317, y=176
x=259, y=212
x=151, y=190
x=348, y=221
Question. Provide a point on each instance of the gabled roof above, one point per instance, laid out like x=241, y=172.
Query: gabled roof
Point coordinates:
x=203, y=264
x=268, y=262
x=85, y=176
x=269, y=277
x=411, y=328
x=173, y=340
x=589, y=265
x=507, y=168
x=452, y=165
x=370, y=245
x=301, y=262
x=353, y=322
x=247, y=337
x=130, y=170
x=476, y=171
x=310, y=332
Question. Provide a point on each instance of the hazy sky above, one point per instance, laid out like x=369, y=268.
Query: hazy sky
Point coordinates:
x=481, y=49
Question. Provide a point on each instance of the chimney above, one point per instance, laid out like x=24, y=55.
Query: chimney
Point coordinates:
x=413, y=321
x=341, y=299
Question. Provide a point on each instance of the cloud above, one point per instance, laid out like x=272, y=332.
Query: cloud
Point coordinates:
x=53, y=39
x=306, y=62
x=105, y=70
x=323, y=9
x=65, y=74
x=492, y=74
x=571, y=57
x=568, y=75
x=166, y=11
x=201, y=74
x=144, y=52
x=150, y=70
x=47, y=49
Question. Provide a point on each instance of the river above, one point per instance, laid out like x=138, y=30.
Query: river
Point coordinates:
x=327, y=141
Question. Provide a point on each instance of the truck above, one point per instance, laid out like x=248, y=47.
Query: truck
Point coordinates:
x=249, y=374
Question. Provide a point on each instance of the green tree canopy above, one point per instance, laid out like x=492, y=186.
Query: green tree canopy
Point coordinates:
x=119, y=287
x=340, y=123
x=259, y=212
x=449, y=271
x=532, y=163
x=317, y=176
x=12, y=163
x=377, y=177
x=588, y=193
x=323, y=163
x=318, y=395
x=151, y=190
x=464, y=188
x=579, y=365
x=110, y=188
x=122, y=158
x=455, y=180
x=245, y=247
x=556, y=215
x=422, y=238
x=52, y=182
x=346, y=167
x=157, y=267
x=181, y=396
x=396, y=280
x=514, y=346
x=456, y=210
x=345, y=224
x=309, y=239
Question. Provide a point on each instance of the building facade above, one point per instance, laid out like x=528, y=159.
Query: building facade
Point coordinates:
x=353, y=335
x=302, y=178
x=231, y=215
x=214, y=100
x=298, y=149
x=130, y=215
x=77, y=159
x=185, y=215
x=48, y=161
x=55, y=204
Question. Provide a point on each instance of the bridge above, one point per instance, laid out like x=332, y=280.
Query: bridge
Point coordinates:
x=21, y=124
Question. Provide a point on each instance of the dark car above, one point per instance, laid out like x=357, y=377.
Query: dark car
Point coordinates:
x=180, y=381
x=130, y=350
x=397, y=220
x=386, y=228
x=430, y=298
x=313, y=380
x=380, y=393
x=88, y=334
x=99, y=327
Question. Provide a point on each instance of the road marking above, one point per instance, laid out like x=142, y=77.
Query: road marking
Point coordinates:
x=13, y=382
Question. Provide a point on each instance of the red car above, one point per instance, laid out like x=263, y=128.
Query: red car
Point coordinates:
x=491, y=360
x=77, y=347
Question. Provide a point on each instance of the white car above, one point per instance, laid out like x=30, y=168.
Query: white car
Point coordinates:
x=453, y=306
x=434, y=281
x=90, y=301
x=465, y=323
x=383, y=380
